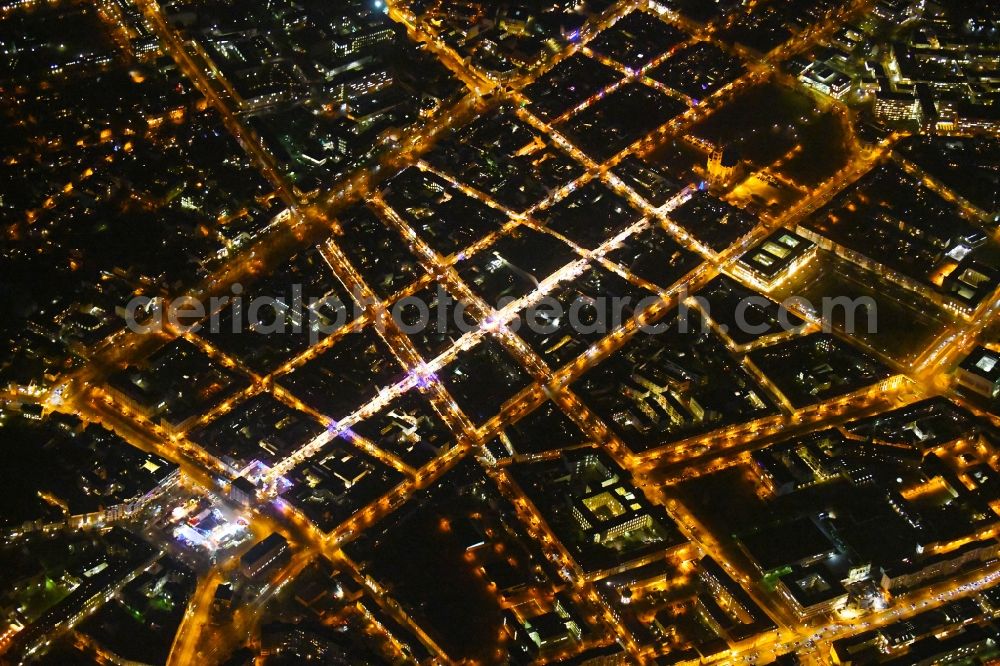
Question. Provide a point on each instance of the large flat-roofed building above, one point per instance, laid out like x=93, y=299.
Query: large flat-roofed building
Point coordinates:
x=242, y=490
x=798, y=542
x=980, y=372
x=971, y=282
x=825, y=79
x=264, y=555
x=896, y=106
x=780, y=255
x=611, y=512
x=612, y=507
x=811, y=591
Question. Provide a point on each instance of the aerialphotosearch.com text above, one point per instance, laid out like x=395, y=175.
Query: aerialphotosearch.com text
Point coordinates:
x=237, y=313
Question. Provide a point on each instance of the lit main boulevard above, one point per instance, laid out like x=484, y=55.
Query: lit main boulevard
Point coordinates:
x=311, y=221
